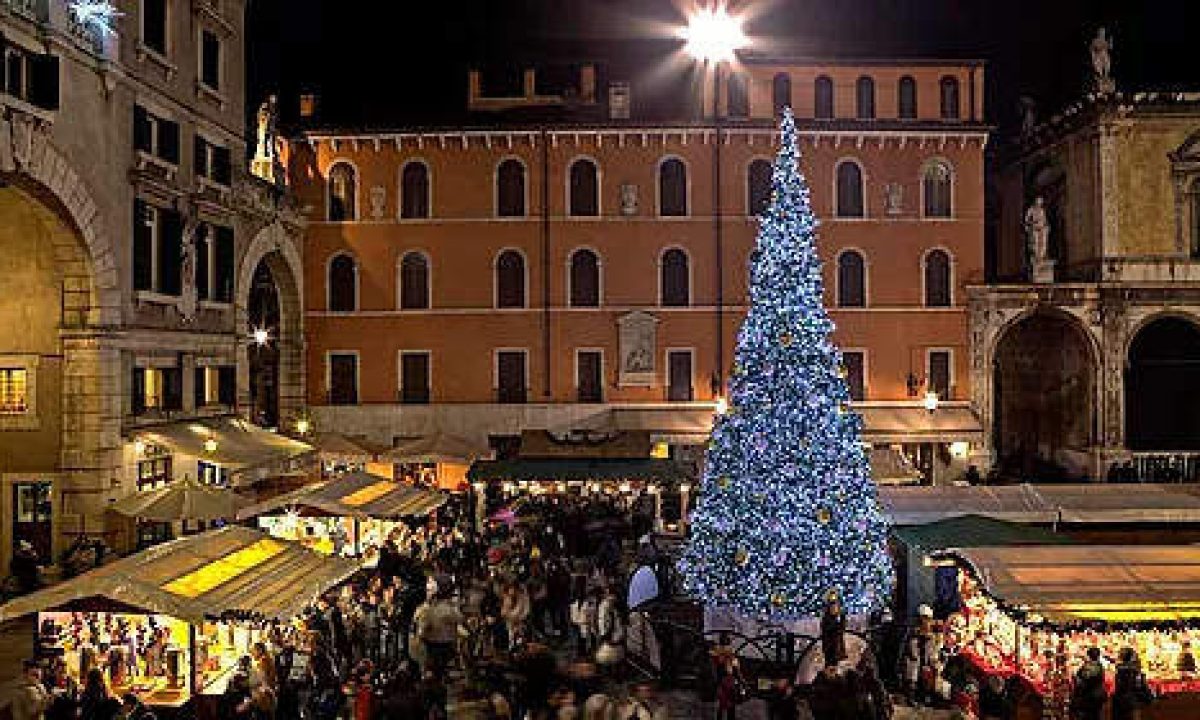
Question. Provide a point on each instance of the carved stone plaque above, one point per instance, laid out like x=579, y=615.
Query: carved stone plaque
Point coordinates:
x=638, y=333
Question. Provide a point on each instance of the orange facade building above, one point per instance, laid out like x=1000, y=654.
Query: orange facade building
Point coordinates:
x=582, y=272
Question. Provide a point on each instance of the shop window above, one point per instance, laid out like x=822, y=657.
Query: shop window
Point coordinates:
x=758, y=187
x=823, y=98
x=949, y=93
x=154, y=25
x=585, y=279
x=672, y=188
x=865, y=97
x=14, y=391
x=343, y=193
x=679, y=376
x=213, y=162
x=343, y=379
x=510, y=189
x=210, y=60
x=937, y=188
x=849, y=190
x=343, y=284
x=155, y=135
x=510, y=280
x=584, y=189
x=154, y=472
x=937, y=279
x=854, y=364
x=675, y=280
x=938, y=373
x=852, y=280
x=414, y=190
x=907, y=109
x=512, y=385
x=414, y=281
x=739, y=96
x=781, y=92
x=156, y=389
x=414, y=378
x=589, y=376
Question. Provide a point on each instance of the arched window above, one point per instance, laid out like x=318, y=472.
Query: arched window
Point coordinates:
x=414, y=190
x=739, y=96
x=781, y=92
x=849, y=190
x=937, y=187
x=865, y=95
x=851, y=280
x=949, y=86
x=343, y=284
x=585, y=279
x=510, y=189
x=672, y=188
x=510, y=280
x=823, y=98
x=584, y=188
x=675, y=279
x=414, y=281
x=907, y=98
x=758, y=187
x=937, y=279
x=343, y=192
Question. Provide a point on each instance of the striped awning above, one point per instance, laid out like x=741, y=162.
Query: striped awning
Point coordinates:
x=358, y=495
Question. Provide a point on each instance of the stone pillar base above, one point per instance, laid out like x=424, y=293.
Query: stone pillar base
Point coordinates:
x=1043, y=272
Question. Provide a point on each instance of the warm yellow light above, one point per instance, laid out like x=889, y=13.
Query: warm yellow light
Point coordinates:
x=261, y=336
x=624, y=487
x=931, y=401
x=219, y=572
x=303, y=426
x=661, y=451
x=210, y=445
x=722, y=406
x=960, y=449
x=139, y=448
x=713, y=35
x=369, y=494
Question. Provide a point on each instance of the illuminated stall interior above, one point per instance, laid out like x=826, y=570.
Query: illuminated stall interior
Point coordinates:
x=1023, y=608
x=173, y=620
x=345, y=516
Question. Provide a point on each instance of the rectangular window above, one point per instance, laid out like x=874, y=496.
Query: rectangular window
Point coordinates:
x=223, y=250
x=145, y=232
x=511, y=383
x=204, y=250
x=154, y=25
x=14, y=391
x=213, y=162
x=172, y=388
x=856, y=380
x=938, y=373
x=414, y=378
x=201, y=387
x=155, y=135
x=227, y=385
x=154, y=472
x=210, y=60
x=157, y=389
x=343, y=379
x=679, y=375
x=211, y=474
x=29, y=76
x=589, y=376
x=216, y=385
x=170, y=253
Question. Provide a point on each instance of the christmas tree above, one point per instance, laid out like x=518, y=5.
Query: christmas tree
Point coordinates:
x=787, y=515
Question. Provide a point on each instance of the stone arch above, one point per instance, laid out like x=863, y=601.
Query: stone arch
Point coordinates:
x=1162, y=367
x=1045, y=380
x=276, y=248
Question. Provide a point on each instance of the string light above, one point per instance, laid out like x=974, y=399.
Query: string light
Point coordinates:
x=787, y=513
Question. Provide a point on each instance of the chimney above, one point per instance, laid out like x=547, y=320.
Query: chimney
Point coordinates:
x=530, y=84
x=587, y=84
x=308, y=106
x=619, y=100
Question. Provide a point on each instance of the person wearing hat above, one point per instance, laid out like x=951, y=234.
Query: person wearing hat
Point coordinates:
x=917, y=658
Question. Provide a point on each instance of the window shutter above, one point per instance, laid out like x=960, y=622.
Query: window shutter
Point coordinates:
x=141, y=129
x=143, y=253
x=223, y=272
x=137, y=394
x=222, y=165
x=199, y=391
x=168, y=141
x=170, y=254
x=44, y=82
x=227, y=385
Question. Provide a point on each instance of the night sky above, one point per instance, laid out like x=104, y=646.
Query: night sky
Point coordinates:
x=397, y=63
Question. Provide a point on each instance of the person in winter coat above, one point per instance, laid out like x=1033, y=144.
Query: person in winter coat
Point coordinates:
x=917, y=658
x=833, y=632
x=514, y=608
x=30, y=698
x=439, y=631
x=1131, y=691
x=584, y=609
x=610, y=629
x=1090, y=694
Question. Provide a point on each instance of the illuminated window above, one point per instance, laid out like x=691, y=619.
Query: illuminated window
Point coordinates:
x=343, y=193
x=156, y=389
x=14, y=390
x=212, y=474
x=154, y=472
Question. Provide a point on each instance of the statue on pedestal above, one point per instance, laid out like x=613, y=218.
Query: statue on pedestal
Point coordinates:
x=1037, y=238
x=1101, y=49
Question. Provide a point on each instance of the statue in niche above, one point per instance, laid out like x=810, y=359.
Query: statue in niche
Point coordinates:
x=1037, y=230
x=378, y=198
x=189, y=296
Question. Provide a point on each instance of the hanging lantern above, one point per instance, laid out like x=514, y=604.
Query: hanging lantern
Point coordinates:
x=824, y=516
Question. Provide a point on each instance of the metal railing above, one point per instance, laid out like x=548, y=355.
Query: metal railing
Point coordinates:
x=1166, y=467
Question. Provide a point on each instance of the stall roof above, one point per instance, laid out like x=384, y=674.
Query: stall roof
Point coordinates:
x=1080, y=503
x=241, y=446
x=1076, y=582
x=567, y=469
x=436, y=448
x=234, y=569
x=888, y=423
x=338, y=446
x=975, y=531
x=359, y=495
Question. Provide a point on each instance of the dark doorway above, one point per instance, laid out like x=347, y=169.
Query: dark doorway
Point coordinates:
x=1044, y=392
x=32, y=517
x=1162, y=382
x=263, y=313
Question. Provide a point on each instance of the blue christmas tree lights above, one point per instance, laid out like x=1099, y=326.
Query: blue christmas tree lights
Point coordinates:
x=788, y=514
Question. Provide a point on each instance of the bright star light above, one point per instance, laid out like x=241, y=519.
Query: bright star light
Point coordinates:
x=712, y=34
x=99, y=15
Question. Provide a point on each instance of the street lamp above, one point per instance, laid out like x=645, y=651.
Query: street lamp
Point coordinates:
x=931, y=401
x=261, y=336
x=713, y=36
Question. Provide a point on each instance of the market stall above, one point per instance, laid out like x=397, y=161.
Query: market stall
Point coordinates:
x=1032, y=612
x=345, y=516
x=436, y=461
x=172, y=621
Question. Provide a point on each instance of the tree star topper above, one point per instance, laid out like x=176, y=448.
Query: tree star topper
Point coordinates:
x=98, y=15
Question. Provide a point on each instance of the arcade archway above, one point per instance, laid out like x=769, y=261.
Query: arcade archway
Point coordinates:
x=1162, y=382
x=1044, y=384
x=270, y=295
